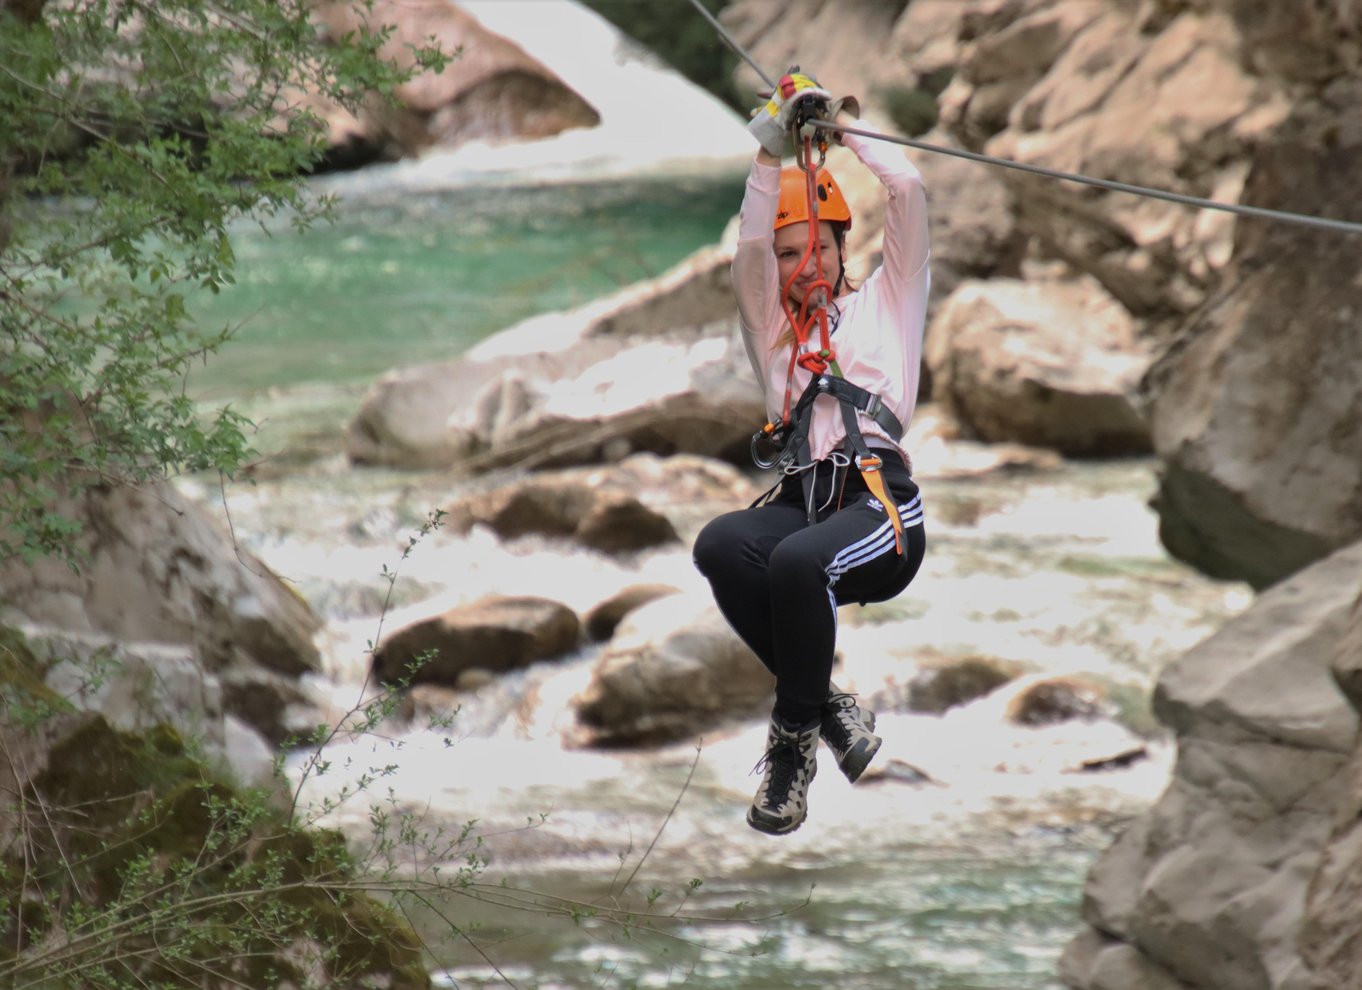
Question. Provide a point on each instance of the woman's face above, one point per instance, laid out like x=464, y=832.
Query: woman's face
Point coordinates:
x=791, y=241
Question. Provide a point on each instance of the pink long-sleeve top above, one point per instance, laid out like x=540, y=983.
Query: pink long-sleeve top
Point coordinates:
x=878, y=336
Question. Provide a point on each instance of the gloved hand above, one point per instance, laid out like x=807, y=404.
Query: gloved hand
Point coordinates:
x=796, y=97
x=848, y=105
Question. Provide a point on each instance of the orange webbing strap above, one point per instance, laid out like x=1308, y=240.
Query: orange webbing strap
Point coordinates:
x=870, y=471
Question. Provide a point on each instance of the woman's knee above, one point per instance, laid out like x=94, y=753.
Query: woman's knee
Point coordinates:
x=717, y=544
x=793, y=562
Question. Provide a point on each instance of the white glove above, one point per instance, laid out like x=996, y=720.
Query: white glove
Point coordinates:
x=796, y=97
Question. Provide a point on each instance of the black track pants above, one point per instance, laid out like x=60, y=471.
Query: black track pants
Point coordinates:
x=778, y=579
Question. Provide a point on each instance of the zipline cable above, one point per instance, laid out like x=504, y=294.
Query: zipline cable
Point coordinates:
x=1262, y=213
x=732, y=43
x=1258, y=212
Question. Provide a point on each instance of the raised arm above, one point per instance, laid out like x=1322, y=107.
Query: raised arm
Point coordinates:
x=906, y=240
x=754, y=262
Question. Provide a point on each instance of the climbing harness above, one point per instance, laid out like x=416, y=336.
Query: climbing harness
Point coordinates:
x=786, y=445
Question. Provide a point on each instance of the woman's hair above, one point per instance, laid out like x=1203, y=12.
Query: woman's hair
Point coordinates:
x=839, y=233
x=844, y=282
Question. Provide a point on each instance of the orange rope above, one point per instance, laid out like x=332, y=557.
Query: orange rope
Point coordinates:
x=815, y=361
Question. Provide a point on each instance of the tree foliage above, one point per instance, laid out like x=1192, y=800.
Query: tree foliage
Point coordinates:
x=132, y=135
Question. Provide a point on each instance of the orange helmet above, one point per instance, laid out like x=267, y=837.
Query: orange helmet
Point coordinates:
x=794, y=198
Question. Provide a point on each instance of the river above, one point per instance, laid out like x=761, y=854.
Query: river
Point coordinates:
x=968, y=879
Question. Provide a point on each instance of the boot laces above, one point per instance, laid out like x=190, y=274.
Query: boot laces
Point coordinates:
x=846, y=717
x=782, y=760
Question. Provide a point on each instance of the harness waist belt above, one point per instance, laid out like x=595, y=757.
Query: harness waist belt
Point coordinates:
x=852, y=399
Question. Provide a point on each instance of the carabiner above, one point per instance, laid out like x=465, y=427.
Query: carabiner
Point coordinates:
x=774, y=438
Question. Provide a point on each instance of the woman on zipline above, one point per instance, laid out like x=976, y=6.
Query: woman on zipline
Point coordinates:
x=839, y=368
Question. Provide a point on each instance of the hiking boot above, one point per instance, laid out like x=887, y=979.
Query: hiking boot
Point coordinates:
x=849, y=732
x=790, y=762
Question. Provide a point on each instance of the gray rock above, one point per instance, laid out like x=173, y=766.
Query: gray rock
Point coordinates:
x=608, y=521
x=495, y=633
x=1331, y=935
x=1048, y=700
x=673, y=671
x=641, y=502
x=1209, y=887
x=1256, y=413
x=655, y=367
x=160, y=579
x=603, y=619
x=1051, y=364
x=941, y=685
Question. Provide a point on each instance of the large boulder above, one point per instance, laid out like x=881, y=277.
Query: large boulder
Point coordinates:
x=656, y=366
x=641, y=502
x=673, y=671
x=1052, y=364
x=664, y=397
x=496, y=633
x=1256, y=413
x=1208, y=888
x=609, y=522
x=99, y=806
x=155, y=569
x=492, y=90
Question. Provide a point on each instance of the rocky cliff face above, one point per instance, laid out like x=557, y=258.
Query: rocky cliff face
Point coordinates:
x=1245, y=874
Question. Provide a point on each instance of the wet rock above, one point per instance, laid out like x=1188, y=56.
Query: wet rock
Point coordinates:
x=611, y=522
x=1047, y=364
x=943, y=684
x=616, y=509
x=546, y=506
x=1056, y=699
x=623, y=524
x=496, y=633
x=1117, y=761
x=601, y=620
x=673, y=671
x=897, y=771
